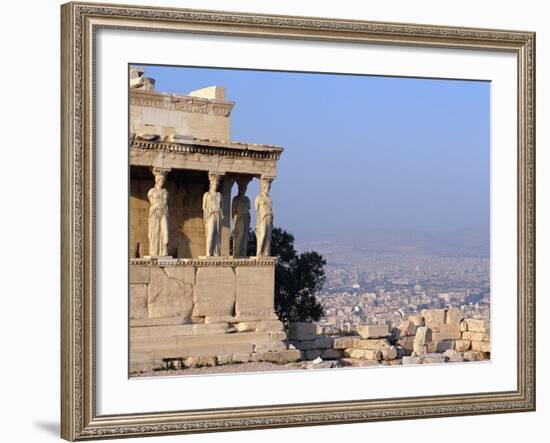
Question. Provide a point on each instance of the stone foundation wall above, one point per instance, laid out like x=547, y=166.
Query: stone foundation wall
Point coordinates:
x=166, y=344
x=215, y=311
x=202, y=291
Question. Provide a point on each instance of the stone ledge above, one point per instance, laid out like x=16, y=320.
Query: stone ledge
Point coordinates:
x=202, y=262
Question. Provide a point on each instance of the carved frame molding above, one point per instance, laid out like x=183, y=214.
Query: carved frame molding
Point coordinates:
x=80, y=21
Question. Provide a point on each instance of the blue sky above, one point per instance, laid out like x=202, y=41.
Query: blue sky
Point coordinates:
x=361, y=152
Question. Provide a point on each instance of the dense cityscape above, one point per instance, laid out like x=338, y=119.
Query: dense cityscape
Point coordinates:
x=365, y=287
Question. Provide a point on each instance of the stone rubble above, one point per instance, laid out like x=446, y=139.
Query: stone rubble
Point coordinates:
x=435, y=336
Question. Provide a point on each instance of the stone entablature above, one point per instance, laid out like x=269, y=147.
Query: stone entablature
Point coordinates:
x=211, y=261
x=201, y=114
x=185, y=103
x=211, y=147
x=255, y=160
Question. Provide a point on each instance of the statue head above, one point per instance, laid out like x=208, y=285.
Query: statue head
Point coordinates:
x=160, y=177
x=265, y=184
x=214, y=182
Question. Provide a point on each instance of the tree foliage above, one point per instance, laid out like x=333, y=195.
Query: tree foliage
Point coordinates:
x=298, y=278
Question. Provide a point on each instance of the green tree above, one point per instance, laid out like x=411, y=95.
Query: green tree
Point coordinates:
x=298, y=278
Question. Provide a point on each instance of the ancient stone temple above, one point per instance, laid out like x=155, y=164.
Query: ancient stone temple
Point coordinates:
x=196, y=299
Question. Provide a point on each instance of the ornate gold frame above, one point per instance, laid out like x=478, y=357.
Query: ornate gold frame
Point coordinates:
x=79, y=420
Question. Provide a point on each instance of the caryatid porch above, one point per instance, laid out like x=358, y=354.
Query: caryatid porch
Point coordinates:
x=189, y=166
x=181, y=157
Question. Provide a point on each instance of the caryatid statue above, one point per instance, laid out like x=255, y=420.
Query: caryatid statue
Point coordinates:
x=240, y=211
x=158, y=215
x=212, y=215
x=264, y=220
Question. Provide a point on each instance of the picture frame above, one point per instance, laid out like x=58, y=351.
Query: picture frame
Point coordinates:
x=80, y=24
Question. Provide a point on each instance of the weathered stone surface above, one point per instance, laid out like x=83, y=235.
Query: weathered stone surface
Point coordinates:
x=406, y=343
x=138, y=301
x=144, y=365
x=245, y=326
x=275, y=345
x=165, y=331
x=240, y=358
x=331, y=354
x=214, y=291
x=269, y=326
x=447, y=333
x=197, y=362
x=224, y=360
x=185, y=274
x=483, y=346
x=345, y=342
x=407, y=329
x=477, y=336
x=358, y=363
x=281, y=357
x=381, y=343
x=368, y=354
x=478, y=325
x=453, y=355
x=276, y=335
x=169, y=321
x=168, y=296
x=463, y=326
x=462, y=345
x=389, y=354
x=209, y=319
x=302, y=331
x=475, y=356
x=433, y=358
x=417, y=320
x=412, y=360
x=433, y=316
x=139, y=274
x=373, y=331
x=255, y=290
x=454, y=317
x=423, y=336
x=213, y=329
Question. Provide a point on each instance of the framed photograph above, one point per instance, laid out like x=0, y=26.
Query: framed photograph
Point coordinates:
x=277, y=221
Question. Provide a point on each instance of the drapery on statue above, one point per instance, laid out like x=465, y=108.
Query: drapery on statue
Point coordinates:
x=240, y=210
x=264, y=221
x=212, y=216
x=158, y=216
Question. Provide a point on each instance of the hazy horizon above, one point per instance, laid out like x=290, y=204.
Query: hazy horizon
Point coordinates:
x=364, y=155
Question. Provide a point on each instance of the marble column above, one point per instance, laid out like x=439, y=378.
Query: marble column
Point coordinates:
x=158, y=215
x=212, y=210
x=264, y=221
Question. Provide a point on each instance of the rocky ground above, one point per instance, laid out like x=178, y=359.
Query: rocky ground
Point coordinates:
x=241, y=368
